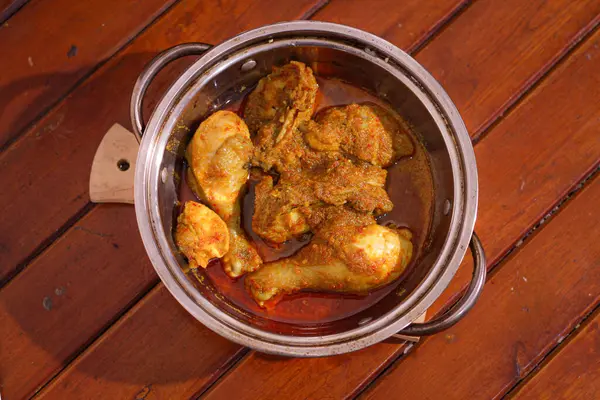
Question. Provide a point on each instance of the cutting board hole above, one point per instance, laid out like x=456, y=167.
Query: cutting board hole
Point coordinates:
x=123, y=165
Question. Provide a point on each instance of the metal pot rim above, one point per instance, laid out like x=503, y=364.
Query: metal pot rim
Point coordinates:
x=464, y=208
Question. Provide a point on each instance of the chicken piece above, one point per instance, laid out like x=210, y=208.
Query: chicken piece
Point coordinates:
x=352, y=259
x=281, y=102
x=201, y=234
x=280, y=211
x=217, y=155
x=356, y=184
x=366, y=131
x=285, y=211
x=242, y=256
x=286, y=94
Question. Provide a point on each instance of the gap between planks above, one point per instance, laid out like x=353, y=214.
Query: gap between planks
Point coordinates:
x=554, y=352
x=136, y=300
x=243, y=353
x=41, y=249
x=437, y=29
x=11, y=9
x=537, y=80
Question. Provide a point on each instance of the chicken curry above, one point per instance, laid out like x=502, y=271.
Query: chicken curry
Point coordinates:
x=319, y=180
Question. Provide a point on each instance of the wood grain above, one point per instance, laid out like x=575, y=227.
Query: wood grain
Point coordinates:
x=43, y=57
x=143, y=354
x=111, y=278
x=573, y=373
x=9, y=7
x=66, y=139
x=407, y=24
x=98, y=91
x=529, y=305
x=522, y=175
x=497, y=50
x=67, y=296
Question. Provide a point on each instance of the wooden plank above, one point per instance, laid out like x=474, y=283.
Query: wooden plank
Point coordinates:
x=504, y=48
x=157, y=325
x=528, y=307
x=105, y=98
x=68, y=136
x=319, y=372
x=9, y=7
x=89, y=275
x=573, y=373
x=407, y=25
x=332, y=365
x=518, y=185
x=51, y=44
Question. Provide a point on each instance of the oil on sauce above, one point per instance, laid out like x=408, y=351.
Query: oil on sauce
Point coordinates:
x=410, y=188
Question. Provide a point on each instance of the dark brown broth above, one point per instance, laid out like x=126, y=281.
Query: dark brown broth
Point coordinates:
x=410, y=188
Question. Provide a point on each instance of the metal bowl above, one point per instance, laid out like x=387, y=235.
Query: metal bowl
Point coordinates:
x=359, y=58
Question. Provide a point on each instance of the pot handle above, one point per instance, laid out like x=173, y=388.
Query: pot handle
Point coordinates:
x=149, y=73
x=460, y=309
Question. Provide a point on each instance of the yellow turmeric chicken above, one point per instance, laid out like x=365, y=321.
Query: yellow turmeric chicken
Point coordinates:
x=201, y=234
x=331, y=182
x=365, y=131
x=283, y=211
x=218, y=155
x=281, y=102
x=324, y=176
x=348, y=254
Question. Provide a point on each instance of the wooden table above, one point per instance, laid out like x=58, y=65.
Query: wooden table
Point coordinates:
x=83, y=315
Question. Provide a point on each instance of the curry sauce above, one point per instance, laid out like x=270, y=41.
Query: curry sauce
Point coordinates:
x=410, y=188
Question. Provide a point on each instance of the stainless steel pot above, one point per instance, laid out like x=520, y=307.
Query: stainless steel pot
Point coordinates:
x=356, y=57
